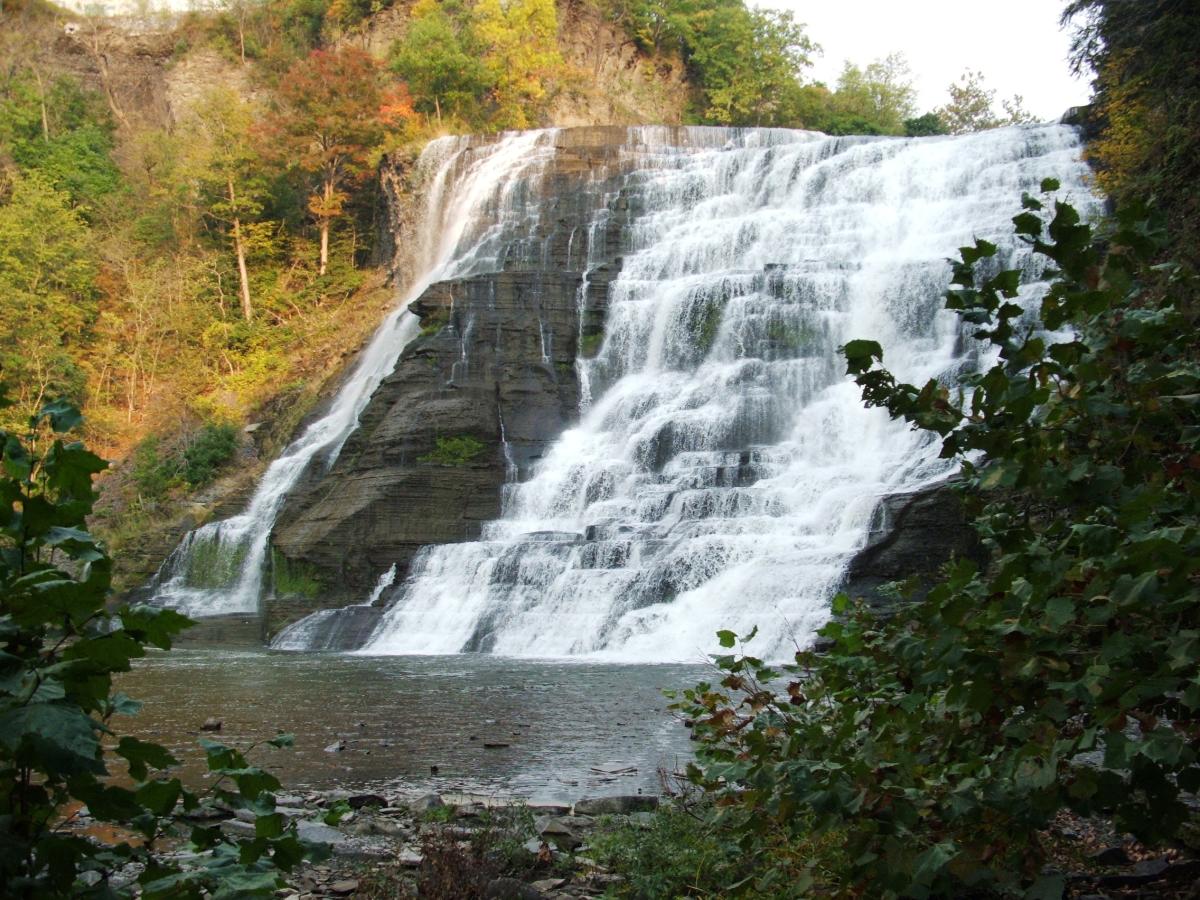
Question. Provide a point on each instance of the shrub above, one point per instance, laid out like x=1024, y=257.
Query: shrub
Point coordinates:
x=60, y=646
x=1063, y=676
x=435, y=321
x=152, y=472
x=453, y=451
x=211, y=448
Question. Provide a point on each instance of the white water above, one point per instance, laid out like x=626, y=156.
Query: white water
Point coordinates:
x=726, y=471
x=315, y=628
x=219, y=568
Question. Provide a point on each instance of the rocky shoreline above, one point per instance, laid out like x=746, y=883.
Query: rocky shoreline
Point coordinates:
x=465, y=846
x=506, y=849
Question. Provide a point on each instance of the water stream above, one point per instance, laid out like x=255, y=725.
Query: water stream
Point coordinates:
x=724, y=471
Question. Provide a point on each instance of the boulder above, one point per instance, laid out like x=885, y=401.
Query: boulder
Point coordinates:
x=317, y=832
x=616, y=806
x=426, y=803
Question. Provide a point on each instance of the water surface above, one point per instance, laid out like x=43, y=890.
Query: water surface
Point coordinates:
x=563, y=722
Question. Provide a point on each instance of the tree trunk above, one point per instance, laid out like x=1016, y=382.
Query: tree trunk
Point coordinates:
x=240, y=249
x=42, y=100
x=101, y=60
x=325, y=226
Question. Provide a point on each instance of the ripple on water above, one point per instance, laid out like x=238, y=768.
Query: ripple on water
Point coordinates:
x=401, y=715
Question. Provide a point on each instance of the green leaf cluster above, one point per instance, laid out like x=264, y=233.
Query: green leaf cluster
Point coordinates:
x=1062, y=675
x=195, y=463
x=60, y=646
x=453, y=451
x=61, y=132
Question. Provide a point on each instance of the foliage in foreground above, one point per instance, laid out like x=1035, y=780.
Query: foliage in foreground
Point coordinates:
x=59, y=649
x=1065, y=675
x=684, y=849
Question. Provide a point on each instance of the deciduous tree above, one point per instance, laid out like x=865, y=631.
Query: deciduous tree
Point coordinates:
x=881, y=95
x=440, y=60
x=520, y=40
x=229, y=174
x=47, y=285
x=329, y=119
x=972, y=107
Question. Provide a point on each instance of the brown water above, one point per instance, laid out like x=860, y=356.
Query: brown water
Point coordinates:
x=399, y=716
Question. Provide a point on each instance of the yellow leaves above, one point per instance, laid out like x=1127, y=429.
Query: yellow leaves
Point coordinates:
x=522, y=56
x=327, y=207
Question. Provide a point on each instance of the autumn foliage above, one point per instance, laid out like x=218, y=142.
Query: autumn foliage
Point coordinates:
x=332, y=113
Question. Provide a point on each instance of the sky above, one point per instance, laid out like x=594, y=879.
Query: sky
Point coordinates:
x=1017, y=45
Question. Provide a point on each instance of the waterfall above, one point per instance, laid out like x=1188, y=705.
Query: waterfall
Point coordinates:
x=724, y=471
x=219, y=568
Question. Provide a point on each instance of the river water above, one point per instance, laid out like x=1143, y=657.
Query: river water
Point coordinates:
x=568, y=725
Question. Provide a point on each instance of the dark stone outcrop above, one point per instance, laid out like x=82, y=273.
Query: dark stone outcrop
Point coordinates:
x=911, y=535
x=490, y=383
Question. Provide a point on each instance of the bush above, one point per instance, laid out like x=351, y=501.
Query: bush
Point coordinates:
x=152, y=473
x=211, y=448
x=1063, y=676
x=60, y=646
x=453, y=451
x=686, y=849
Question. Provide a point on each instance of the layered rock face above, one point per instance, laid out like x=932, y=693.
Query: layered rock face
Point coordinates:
x=474, y=401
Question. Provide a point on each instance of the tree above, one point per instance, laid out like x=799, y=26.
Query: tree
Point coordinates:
x=881, y=95
x=57, y=128
x=441, y=61
x=925, y=126
x=229, y=173
x=753, y=64
x=520, y=44
x=47, y=284
x=971, y=107
x=1144, y=104
x=329, y=119
x=60, y=646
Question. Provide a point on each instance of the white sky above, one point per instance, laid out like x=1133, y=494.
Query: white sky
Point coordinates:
x=1016, y=44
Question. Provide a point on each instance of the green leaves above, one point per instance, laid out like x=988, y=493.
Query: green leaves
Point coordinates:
x=861, y=355
x=59, y=648
x=53, y=737
x=936, y=742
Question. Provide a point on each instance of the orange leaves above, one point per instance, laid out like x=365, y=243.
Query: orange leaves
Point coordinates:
x=396, y=110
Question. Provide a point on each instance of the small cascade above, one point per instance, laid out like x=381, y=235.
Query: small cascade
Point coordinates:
x=724, y=470
x=219, y=568
x=512, y=471
x=336, y=629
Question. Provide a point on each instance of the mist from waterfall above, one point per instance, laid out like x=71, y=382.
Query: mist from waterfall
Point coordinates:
x=724, y=470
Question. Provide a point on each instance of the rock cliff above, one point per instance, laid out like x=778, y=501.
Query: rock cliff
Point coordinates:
x=473, y=401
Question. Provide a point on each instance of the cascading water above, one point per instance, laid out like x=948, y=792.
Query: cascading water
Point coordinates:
x=725, y=471
x=218, y=569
